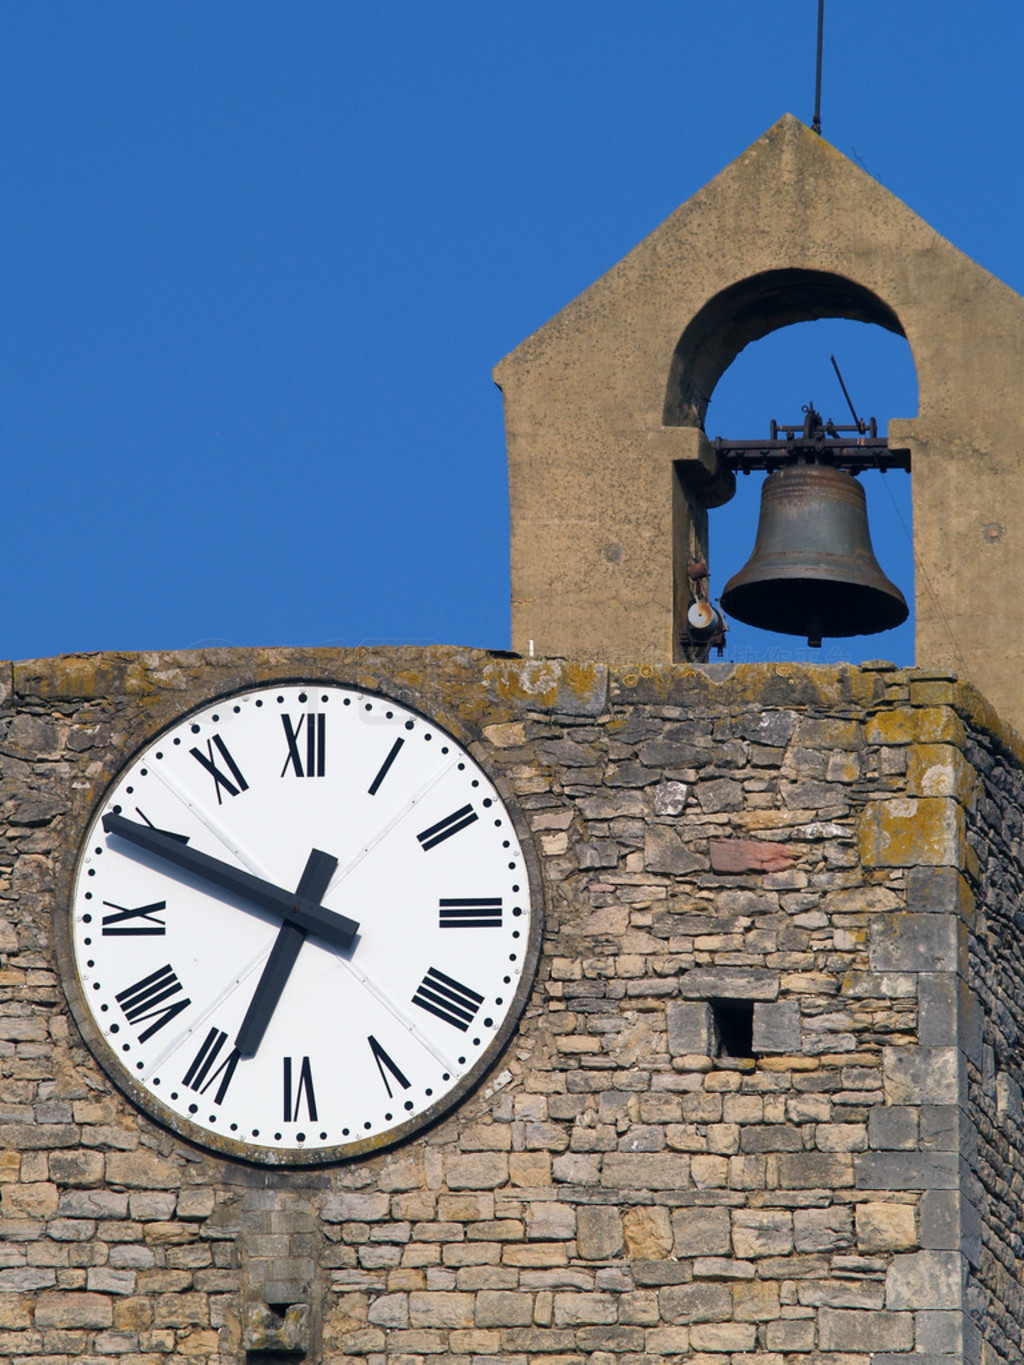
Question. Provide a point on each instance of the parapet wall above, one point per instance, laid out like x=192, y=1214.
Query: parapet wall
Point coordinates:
x=763, y=1104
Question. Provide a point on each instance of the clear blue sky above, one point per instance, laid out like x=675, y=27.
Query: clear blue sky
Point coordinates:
x=259, y=259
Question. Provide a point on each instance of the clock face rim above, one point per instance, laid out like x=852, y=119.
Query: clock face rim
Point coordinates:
x=142, y=1097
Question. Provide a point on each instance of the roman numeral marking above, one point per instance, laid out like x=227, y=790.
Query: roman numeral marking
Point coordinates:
x=220, y=778
x=314, y=762
x=303, y=1089
x=204, y=1071
x=470, y=912
x=120, y=922
x=145, y=1000
x=171, y=834
x=449, y=999
x=382, y=771
x=384, y=1061
x=444, y=829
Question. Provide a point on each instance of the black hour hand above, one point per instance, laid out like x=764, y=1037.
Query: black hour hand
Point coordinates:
x=292, y=906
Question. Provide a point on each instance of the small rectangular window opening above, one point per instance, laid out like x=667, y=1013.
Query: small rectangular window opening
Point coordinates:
x=734, y=1027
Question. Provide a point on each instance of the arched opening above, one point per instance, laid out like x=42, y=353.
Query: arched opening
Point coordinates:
x=760, y=351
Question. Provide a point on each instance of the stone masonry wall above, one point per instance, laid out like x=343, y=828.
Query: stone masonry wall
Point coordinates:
x=996, y=1072
x=765, y=860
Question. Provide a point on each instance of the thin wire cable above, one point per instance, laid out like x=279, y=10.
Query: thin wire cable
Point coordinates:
x=816, y=125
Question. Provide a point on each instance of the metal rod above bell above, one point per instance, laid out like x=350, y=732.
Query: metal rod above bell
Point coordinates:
x=813, y=571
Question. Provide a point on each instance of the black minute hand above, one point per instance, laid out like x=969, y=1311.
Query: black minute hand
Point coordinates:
x=300, y=910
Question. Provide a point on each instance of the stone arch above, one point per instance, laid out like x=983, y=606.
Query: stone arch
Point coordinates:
x=747, y=311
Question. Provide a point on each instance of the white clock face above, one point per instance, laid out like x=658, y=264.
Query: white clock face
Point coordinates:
x=301, y=924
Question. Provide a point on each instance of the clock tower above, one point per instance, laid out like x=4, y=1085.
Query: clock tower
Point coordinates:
x=573, y=1005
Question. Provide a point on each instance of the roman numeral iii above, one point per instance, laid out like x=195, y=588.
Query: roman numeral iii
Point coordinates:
x=470, y=912
x=308, y=759
x=449, y=999
x=146, y=1000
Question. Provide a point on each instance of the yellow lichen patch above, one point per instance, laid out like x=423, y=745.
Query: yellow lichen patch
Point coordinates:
x=916, y=725
x=912, y=831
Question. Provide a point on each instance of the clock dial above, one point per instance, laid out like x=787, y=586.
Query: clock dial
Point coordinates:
x=302, y=924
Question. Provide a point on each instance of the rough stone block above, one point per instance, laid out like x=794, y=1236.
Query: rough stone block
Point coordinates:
x=761, y=1232
x=696, y=1302
x=477, y=1171
x=847, y=1329
x=893, y=1127
x=941, y=1331
x=938, y=1019
x=776, y=1027
x=922, y=1075
x=729, y=983
x=72, y=1310
x=749, y=855
x=829, y=1229
x=599, y=1232
x=648, y=1232
x=670, y=798
x=940, y=1220
x=941, y=770
x=815, y=1170
x=756, y=1301
x=702, y=1232
x=723, y=1336
x=81, y=1167
x=925, y=1279
x=906, y=1170
x=440, y=1309
x=689, y=1028
x=905, y=831
x=885, y=1227
x=504, y=1308
x=790, y=1334
x=916, y=943
x=939, y=890
x=945, y=1128
x=575, y=1310
x=645, y=1170
x=665, y=851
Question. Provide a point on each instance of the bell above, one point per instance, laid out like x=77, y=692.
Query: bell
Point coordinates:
x=813, y=571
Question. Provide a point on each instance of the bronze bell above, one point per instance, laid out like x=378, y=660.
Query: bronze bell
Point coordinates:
x=813, y=571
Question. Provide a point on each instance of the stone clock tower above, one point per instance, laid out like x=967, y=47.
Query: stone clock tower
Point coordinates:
x=574, y=1006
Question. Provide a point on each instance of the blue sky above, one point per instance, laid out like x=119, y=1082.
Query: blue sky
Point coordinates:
x=259, y=260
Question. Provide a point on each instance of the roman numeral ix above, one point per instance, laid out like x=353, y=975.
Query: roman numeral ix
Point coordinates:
x=470, y=912
x=444, y=829
x=232, y=784
x=145, y=1000
x=449, y=999
x=312, y=762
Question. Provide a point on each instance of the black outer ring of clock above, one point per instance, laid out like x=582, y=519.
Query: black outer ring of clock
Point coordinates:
x=149, y=1104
